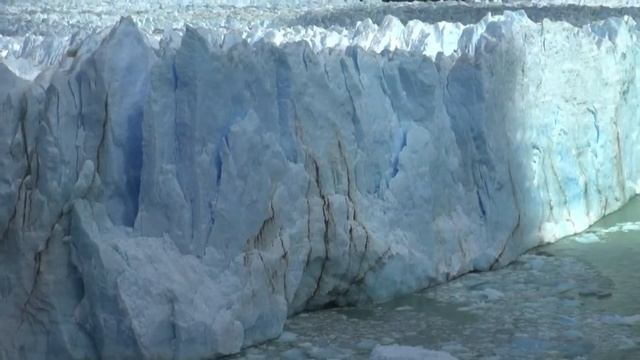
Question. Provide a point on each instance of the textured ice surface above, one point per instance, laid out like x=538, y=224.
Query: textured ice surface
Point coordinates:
x=40, y=30
x=34, y=35
x=179, y=194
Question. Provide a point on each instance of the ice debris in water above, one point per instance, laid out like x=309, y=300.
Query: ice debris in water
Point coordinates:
x=399, y=352
x=621, y=320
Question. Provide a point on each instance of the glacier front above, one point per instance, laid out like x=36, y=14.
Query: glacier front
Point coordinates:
x=181, y=195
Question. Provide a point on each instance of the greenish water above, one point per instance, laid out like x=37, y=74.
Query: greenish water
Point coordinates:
x=576, y=299
x=616, y=257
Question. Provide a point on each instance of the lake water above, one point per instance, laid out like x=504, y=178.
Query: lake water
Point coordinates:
x=576, y=299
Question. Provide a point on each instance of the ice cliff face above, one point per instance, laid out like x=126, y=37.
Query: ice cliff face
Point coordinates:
x=181, y=200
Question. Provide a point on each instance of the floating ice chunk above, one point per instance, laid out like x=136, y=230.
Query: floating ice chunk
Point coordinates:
x=293, y=354
x=595, y=235
x=587, y=238
x=620, y=320
x=288, y=337
x=623, y=227
x=534, y=262
x=490, y=294
x=366, y=344
x=400, y=352
x=624, y=342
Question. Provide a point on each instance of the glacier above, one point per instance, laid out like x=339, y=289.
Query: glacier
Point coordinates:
x=180, y=194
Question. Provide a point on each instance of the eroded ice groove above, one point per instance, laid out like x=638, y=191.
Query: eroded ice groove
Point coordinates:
x=182, y=199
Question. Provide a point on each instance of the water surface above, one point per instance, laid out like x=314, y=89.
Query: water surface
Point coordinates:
x=576, y=299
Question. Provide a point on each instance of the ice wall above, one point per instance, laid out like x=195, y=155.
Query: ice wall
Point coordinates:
x=183, y=200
